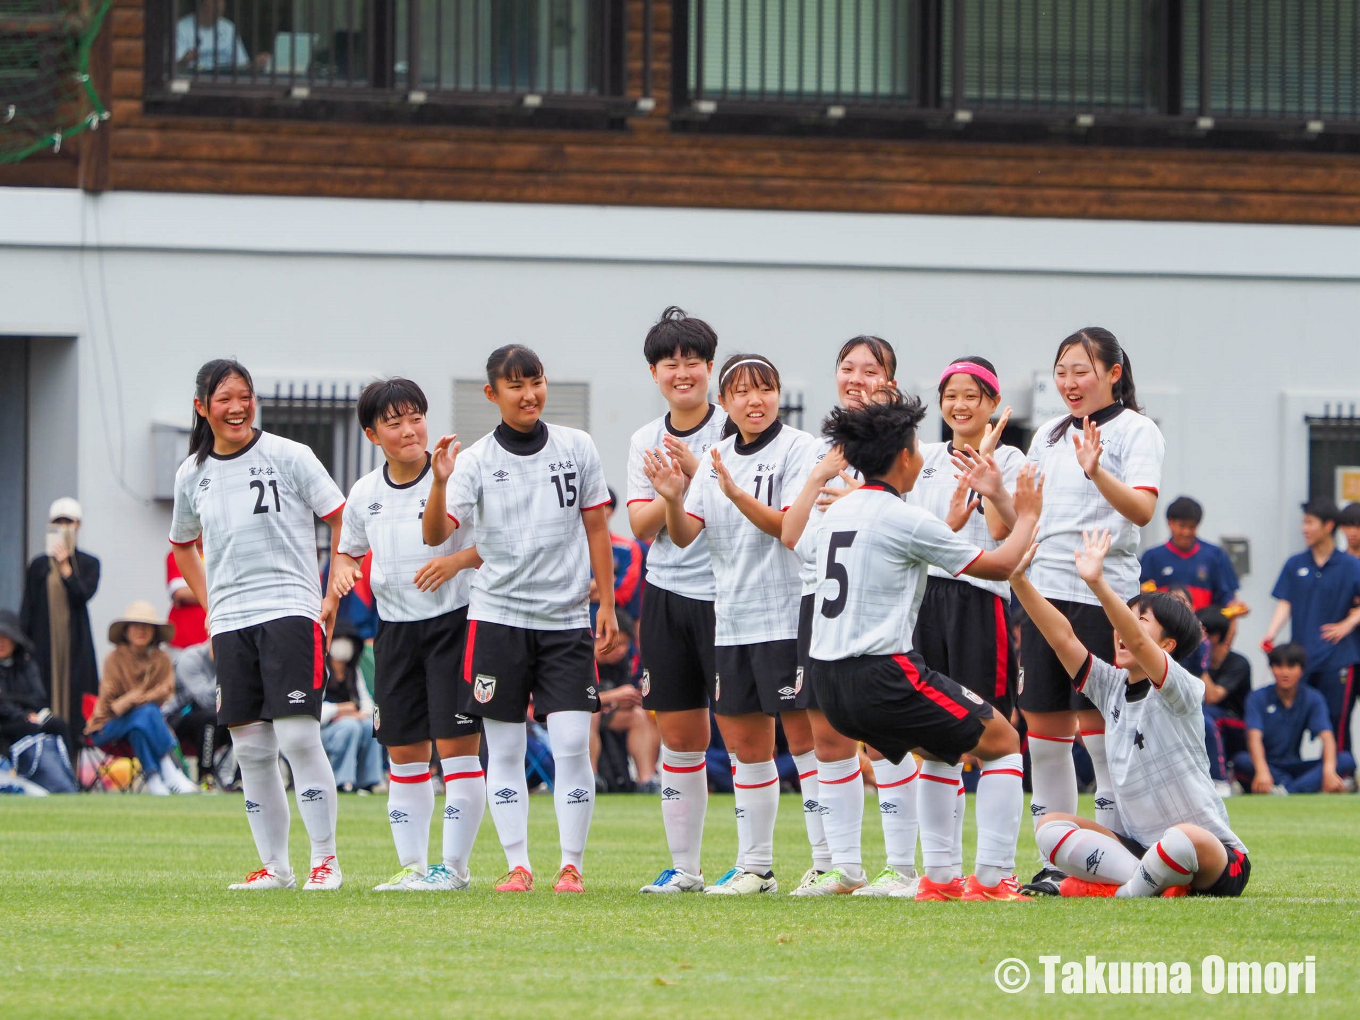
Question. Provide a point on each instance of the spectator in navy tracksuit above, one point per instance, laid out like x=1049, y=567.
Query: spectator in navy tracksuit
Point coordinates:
x=1277, y=718
x=630, y=556
x=1202, y=567
x=1319, y=592
x=1227, y=682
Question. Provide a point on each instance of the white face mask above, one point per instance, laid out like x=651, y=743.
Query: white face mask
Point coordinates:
x=342, y=648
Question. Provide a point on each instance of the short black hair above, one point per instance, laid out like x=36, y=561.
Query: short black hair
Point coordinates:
x=1177, y=620
x=513, y=361
x=871, y=437
x=1213, y=621
x=1291, y=654
x=1350, y=516
x=678, y=333
x=613, y=499
x=388, y=398
x=1183, y=508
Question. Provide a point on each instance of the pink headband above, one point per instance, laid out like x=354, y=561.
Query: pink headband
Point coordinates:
x=969, y=368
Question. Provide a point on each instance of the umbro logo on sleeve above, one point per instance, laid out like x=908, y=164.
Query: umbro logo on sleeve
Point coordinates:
x=205, y=483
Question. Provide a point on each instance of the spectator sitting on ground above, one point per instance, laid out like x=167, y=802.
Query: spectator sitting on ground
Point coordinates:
x=1202, y=567
x=208, y=41
x=1277, y=718
x=138, y=679
x=622, y=712
x=1348, y=520
x=192, y=710
x=29, y=732
x=347, y=722
x=189, y=619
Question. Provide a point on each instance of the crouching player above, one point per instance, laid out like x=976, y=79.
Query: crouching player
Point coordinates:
x=1173, y=835
x=872, y=553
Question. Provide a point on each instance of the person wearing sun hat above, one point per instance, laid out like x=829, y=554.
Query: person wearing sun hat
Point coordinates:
x=138, y=679
x=57, y=589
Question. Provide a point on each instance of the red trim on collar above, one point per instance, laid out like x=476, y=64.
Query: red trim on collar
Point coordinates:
x=1181, y=553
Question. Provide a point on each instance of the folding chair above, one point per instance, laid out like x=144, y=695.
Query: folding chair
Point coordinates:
x=104, y=759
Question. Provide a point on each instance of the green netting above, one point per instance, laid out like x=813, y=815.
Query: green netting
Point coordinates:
x=46, y=95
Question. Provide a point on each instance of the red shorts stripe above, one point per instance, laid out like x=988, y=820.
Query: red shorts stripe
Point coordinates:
x=933, y=693
x=464, y=775
x=755, y=786
x=938, y=779
x=1166, y=859
x=318, y=657
x=837, y=782
x=1003, y=647
x=685, y=768
x=424, y=777
x=467, y=650
x=1004, y=772
x=1056, y=740
x=1053, y=855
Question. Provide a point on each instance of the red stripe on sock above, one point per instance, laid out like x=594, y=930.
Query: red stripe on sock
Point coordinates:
x=1052, y=857
x=467, y=650
x=424, y=777
x=900, y=782
x=836, y=782
x=685, y=768
x=1004, y=772
x=961, y=790
x=1056, y=740
x=464, y=775
x=1166, y=858
x=804, y=775
x=1092, y=733
x=1003, y=647
x=939, y=779
x=755, y=786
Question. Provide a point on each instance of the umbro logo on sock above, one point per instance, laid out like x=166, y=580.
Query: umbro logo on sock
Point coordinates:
x=1104, y=803
x=741, y=812
x=450, y=811
x=505, y=795
x=887, y=807
x=1093, y=861
x=1147, y=877
x=811, y=807
x=670, y=793
x=1036, y=810
x=578, y=796
x=398, y=817
x=312, y=795
x=252, y=808
x=296, y=698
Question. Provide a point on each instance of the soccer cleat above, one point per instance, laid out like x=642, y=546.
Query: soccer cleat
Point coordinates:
x=673, y=880
x=516, y=880
x=1008, y=889
x=325, y=875
x=568, y=880
x=1081, y=887
x=889, y=882
x=809, y=877
x=265, y=879
x=1046, y=882
x=441, y=878
x=1173, y=891
x=928, y=891
x=404, y=879
x=832, y=883
x=740, y=882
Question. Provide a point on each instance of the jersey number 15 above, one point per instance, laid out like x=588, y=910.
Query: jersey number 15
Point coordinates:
x=566, y=489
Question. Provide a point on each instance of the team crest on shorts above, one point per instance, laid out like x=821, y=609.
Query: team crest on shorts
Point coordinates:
x=798, y=682
x=717, y=686
x=971, y=696
x=646, y=685
x=219, y=699
x=484, y=688
x=377, y=719
x=1020, y=681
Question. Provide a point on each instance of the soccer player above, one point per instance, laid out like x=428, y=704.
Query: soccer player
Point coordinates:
x=1171, y=829
x=963, y=630
x=252, y=497
x=1202, y=567
x=676, y=627
x=1103, y=465
x=738, y=499
x=873, y=551
x=422, y=604
x=1319, y=595
x=539, y=495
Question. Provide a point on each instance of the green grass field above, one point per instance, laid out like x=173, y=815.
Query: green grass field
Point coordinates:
x=116, y=906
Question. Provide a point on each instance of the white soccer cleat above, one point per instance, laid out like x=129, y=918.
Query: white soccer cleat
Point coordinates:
x=403, y=880
x=673, y=880
x=266, y=879
x=890, y=882
x=740, y=882
x=809, y=877
x=441, y=878
x=325, y=875
x=831, y=883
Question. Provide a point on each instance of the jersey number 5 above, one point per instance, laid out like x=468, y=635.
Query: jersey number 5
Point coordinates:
x=832, y=608
x=566, y=489
x=261, y=507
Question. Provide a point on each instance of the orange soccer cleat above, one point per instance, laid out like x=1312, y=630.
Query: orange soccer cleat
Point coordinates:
x=518, y=880
x=1172, y=891
x=928, y=890
x=568, y=880
x=1008, y=889
x=1081, y=887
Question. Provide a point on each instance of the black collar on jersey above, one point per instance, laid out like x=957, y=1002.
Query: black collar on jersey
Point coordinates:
x=879, y=485
x=761, y=441
x=522, y=444
x=232, y=456
x=689, y=432
x=1102, y=416
x=1138, y=690
x=387, y=477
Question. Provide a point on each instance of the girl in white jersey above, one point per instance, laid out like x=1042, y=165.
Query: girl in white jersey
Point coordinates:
x=1103, y=466
x=539, y=499
x=738, y=501
x=253, y=498
x=964, y=630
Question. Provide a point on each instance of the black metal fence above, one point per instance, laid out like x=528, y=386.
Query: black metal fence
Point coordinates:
x=1334, y=454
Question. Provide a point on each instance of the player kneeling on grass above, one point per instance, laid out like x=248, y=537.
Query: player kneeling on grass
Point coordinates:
x=872, y=552
x=1169, y=814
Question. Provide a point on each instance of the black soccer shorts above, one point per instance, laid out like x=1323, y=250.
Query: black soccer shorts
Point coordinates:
x=676, y=635
x=417, y=667
x=503, y=666
x=1231, y=883
x=760, y=677
x=270, y=671
x=1044, y=685
x=963, y=631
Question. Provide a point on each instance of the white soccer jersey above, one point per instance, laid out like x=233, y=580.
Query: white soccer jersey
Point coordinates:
x=1134, y=449
x=935, y=487
x=756, y=576
x=686, y=571
x=255, y=510
x=872, y=552
x=1155, y=746
x=527, y=494
x=385, y=517
x=807, y=570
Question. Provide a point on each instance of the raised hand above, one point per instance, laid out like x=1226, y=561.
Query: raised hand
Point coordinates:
x=682, y=454
x=830, y=466
x=729, y=488
x=444, y=457
x=664, y=472
x=1091, y=556
x=829, y=494
x=980, y=472
x=1029, y=491
x=1025, y=561
x=960, y=506
x=1088, y=447
x=991, y=434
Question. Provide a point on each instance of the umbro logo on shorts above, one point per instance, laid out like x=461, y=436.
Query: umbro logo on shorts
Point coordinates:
x=505, y=795
x=787, y=692
x=296, y=698
x=483, y=688
x=312, y=795
x=590, y=693
x=460, y=718
x=670, y=793
x=373, y=508
x=577, y=796
x=398, y=817
x=252, y=808
x=450, y=812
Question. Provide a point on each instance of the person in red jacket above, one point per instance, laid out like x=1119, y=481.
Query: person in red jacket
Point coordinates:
x=190, y=620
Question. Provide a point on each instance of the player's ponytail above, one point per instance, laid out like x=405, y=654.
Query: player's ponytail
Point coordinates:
x=209, y=377
x=1102, y=348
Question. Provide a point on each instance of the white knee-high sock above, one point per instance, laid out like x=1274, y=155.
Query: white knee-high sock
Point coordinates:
x=743, y=818
x=313, y=781
x=1172, y=860
x=1000, y=805
x=936, y=801
x=684, y=802
x=410, y=806
x=574, y=786
x=841, y=785
x=507, y=791
x=1106, y=815
x=464, y=805
x=1053, y=777
x=956, y=847
x=807, y=767
x=257, y=753
x=757, y=794
x=1085, y=853
x=897, y=807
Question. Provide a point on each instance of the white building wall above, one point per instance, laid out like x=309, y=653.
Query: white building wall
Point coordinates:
x=1234, y=331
